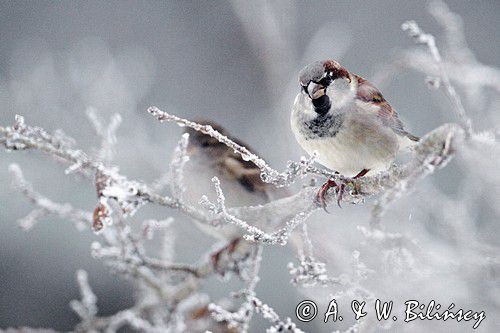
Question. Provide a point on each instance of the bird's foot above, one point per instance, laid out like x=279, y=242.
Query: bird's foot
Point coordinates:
x=340, y=186
x=321, y=195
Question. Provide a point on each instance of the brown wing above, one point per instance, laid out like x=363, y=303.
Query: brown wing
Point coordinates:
x=231, y=163
x=248, y=174
x=369, y=93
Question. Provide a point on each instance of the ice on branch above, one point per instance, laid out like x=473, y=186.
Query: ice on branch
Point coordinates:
x=219, y=208
x=179, y=160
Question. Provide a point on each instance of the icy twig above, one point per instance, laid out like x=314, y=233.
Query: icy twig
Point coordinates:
x=310, y=271
x=107, y=133
x=253, y=303
x=131, y=195
x=179, y=160
x=219, y=208
x=268, y=313
x=428, y=40
x=44, y=206
x=86, y=309
x=254, y=233
x=241, y=318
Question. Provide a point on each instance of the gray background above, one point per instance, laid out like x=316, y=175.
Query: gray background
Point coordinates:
x=198, y=58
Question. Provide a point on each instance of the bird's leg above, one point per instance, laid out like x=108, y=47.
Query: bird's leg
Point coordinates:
x=361, y=173
x=228, y=248
x=339, y=189
x=320, y=196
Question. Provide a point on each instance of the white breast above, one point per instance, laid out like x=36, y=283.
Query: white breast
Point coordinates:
x=362, y=142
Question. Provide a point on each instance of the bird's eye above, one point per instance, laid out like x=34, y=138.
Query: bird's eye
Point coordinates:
x=205, y=144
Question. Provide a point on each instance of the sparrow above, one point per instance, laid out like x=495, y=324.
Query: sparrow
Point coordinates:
x=240, y=180
x=347, y=121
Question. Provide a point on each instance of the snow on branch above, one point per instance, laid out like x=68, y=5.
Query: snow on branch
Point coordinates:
x=255, y=304
x=219, y=208
x=124, y=252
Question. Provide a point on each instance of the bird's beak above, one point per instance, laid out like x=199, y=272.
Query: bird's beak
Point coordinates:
x=315, y=90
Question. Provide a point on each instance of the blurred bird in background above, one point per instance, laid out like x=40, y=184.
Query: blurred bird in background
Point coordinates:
x=240, y=181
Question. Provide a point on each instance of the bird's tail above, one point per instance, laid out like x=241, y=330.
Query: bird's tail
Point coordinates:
x=408, y=142
x=412, y=137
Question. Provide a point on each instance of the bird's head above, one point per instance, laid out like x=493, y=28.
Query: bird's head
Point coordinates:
x=315, y=79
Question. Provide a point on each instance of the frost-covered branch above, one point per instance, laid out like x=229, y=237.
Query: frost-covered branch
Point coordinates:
x=132, y=194
x=428, y=40
x=86, y=309
x=124, y=252
x=431, y=144
x=278, y=325
x=179, y=160
x=255, y=304
x=253, y=233
x=310, y=271
x=44, y=206
x=240, y=319
x=107, y=133
x=269, y=175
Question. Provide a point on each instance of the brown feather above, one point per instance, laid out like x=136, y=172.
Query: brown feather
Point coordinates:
x=246, y=173
x=367, y=92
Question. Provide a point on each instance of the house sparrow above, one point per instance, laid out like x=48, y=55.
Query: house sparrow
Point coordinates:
x=347, y=121
x=240, y=180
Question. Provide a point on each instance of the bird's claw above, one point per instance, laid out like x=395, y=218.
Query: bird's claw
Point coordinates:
x=321, y=195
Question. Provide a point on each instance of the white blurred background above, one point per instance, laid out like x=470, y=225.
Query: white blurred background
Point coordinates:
x=235, y=63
